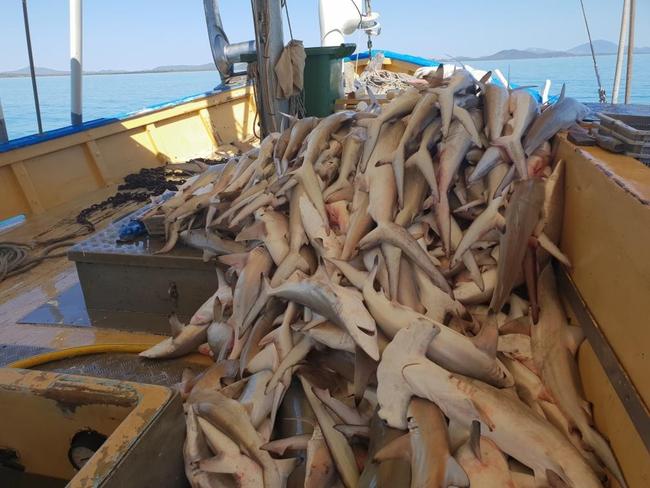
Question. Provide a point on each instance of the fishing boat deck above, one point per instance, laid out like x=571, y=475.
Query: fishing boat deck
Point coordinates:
x=23, y=293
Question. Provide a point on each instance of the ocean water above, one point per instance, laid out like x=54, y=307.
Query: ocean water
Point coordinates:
x=103, y=96
x=577, y=73
x=109, y=95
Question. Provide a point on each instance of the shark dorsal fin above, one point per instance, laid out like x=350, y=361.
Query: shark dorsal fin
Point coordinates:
x=562, y=93
x=175, y=324
x=486, y=339
x=475, y=439
x=486, y=77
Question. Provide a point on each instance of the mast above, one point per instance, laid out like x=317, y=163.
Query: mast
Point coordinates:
x=3, y=126
x=76, y=38
x=630, y=53
x=32, y=69
x=267, y=16
x=622, y=37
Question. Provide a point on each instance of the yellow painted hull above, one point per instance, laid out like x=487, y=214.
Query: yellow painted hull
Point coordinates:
x=39, y=177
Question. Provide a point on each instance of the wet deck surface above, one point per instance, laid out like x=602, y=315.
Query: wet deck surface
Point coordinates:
x=22, y=294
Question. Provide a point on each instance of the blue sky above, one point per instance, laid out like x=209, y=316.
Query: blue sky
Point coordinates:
x=136, y=34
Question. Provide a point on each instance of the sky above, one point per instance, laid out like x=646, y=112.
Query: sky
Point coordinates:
x=140, y=34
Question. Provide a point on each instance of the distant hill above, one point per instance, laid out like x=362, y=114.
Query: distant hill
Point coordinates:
x=601, y=47
x=40, y=71
x=538, y=50
x=185, y=67
x=521, y=54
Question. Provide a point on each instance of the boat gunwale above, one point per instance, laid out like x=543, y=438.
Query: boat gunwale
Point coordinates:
x=33, y=139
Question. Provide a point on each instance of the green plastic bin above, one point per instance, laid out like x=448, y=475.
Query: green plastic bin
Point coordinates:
x=323, y=78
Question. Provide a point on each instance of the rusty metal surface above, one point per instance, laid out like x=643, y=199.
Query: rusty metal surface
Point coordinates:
x=156, y=459
x=146, y=402
x=14, y=352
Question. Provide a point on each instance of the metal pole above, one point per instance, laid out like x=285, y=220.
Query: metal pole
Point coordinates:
x=31, y=68
x=76, y=44
x=368, y=12
x=630, y=53
x=3, y=126
x=267, y=16
x=602, y=96
x=622, y=37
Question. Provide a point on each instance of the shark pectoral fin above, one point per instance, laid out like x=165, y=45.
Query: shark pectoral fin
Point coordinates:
x=588, y=408
x=291, y=263
x=454, y=474
x=253, y=232
x=392, y=258
x=520, y=325
x=464, y=117
x=475, y=272
x=207, y=255
x=399, y=448
x=297, y=354
x=575, y=336
x=549, y=246
x=424, y=162
x=268, y=338
x=555, y=480
x=349, y=430
x=481, y=415
x=511, y=144
x=286, y=466
x=237, y=261
x=397, y=161
x=364, y=366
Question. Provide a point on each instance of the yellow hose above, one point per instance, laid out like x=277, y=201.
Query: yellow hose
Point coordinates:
x=74, y=352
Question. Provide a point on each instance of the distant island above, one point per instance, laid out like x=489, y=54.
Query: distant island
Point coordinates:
x=601, y=47
x=41, y=71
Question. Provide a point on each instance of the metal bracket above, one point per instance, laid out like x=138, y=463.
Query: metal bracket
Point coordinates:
x=625, y=389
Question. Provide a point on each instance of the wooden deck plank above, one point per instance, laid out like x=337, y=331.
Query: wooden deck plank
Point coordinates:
x=21, y=294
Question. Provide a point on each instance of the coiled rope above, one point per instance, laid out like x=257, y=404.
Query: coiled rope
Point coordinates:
x=16, y=258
